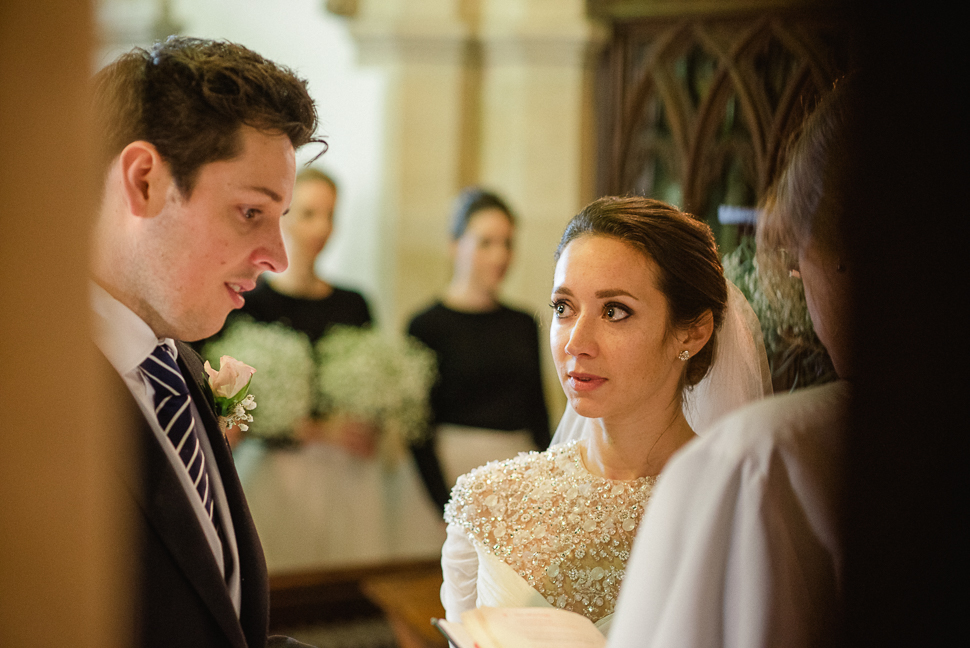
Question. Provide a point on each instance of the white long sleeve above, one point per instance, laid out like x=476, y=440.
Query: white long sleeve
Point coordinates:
x=459, y=566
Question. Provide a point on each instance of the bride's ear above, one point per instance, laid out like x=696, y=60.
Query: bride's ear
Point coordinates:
x=695, y=336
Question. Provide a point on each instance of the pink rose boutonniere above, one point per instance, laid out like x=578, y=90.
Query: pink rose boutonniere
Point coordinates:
x=230, y=392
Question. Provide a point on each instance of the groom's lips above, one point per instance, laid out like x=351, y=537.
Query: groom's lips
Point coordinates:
x=236, y=289
x=582, y=382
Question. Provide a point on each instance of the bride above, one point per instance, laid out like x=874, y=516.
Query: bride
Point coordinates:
x=640, y=304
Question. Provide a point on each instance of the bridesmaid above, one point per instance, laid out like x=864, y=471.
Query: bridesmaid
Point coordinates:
x=489, y=402
x=318, y=498
x=301, y=299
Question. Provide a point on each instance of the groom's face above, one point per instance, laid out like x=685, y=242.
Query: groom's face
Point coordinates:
x=201, y=252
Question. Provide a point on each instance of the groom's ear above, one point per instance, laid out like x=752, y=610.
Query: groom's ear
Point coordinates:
x=145, y=179
x=696, y=335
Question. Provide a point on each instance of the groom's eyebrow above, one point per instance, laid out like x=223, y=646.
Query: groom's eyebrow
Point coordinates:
x=275, y=197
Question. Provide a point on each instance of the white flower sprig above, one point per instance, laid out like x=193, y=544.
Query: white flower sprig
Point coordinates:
x=230, y=392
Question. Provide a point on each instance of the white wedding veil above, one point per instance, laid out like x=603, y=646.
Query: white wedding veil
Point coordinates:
x=739, y=374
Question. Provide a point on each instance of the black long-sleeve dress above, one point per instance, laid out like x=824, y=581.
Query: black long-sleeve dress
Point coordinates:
x=311, y=316
x=490, y=378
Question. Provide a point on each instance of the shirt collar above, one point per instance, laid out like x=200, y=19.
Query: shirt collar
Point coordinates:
x=123, y=337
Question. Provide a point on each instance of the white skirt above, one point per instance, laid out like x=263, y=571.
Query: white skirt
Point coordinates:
x=318, y=506
x=461, y=449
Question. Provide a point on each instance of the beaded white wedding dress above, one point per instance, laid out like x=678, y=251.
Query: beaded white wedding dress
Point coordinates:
x=540, y=530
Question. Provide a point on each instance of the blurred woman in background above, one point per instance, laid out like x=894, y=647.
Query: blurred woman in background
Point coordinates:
x=315, y=492
x=488, y=403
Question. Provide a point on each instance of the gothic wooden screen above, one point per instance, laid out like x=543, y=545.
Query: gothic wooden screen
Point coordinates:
x=697, y=111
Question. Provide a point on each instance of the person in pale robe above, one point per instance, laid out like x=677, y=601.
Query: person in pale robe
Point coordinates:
x=740, y=546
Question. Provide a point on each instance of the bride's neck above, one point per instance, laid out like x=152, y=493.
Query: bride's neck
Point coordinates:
x=639, y=448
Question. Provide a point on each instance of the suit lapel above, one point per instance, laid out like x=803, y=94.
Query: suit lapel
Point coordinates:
x=165, y=504
x=254, y=613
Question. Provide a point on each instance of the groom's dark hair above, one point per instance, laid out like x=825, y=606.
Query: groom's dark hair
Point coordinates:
x=189, y=97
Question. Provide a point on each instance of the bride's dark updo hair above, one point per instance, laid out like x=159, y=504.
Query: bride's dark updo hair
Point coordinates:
x=691, y=275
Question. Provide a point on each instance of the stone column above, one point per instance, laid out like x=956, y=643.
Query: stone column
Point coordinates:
x=537, y=131
x=489, y=92
x=421, y=47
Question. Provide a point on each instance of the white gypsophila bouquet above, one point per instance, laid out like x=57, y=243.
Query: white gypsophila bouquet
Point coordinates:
x=283, y=381
x=378, y=378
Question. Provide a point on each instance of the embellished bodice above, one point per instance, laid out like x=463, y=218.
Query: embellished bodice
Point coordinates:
x=565, y=531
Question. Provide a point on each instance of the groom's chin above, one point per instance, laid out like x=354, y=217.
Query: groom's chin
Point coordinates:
x=202, y=328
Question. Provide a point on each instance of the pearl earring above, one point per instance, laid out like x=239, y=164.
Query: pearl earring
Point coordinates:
x=684, y=355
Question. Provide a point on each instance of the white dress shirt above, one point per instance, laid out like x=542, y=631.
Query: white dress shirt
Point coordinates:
x=126, y=341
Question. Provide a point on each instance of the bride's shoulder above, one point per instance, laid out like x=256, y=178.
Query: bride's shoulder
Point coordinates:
x=494, y=485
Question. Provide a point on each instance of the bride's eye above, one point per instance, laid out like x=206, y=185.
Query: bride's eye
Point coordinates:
x=616, y=312
x=561, y=309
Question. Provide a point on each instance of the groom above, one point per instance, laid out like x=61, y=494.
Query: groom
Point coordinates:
x=198, y=165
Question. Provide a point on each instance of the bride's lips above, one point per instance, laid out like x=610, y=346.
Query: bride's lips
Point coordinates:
x=236, y=289
x=580, y=381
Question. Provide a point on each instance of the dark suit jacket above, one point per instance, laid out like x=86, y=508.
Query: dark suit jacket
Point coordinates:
x=182, y=599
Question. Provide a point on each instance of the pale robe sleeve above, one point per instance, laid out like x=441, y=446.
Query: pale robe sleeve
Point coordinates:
x=738, y=547
x=459, y=568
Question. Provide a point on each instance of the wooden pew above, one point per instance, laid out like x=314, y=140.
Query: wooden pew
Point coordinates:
x=406, y=593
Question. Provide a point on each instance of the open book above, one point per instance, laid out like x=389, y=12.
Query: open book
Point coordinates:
x=488, y=627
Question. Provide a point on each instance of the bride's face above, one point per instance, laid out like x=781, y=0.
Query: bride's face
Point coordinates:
x=609, y=334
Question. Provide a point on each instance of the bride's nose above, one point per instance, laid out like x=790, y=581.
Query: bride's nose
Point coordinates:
x=582, y=338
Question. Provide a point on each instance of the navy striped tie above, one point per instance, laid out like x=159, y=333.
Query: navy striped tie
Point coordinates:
x=172, y=407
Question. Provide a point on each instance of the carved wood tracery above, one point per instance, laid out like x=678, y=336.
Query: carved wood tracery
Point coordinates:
x=697, y=110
